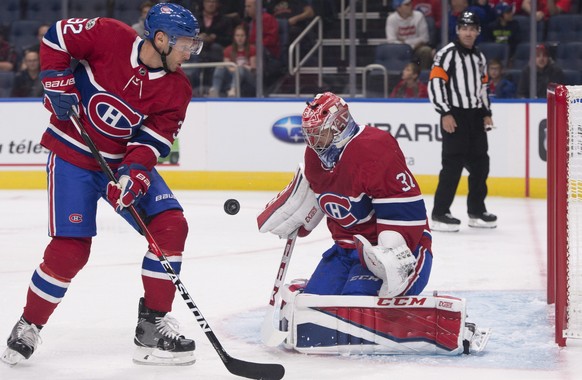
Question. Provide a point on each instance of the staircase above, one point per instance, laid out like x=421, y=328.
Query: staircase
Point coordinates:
x=302, y=79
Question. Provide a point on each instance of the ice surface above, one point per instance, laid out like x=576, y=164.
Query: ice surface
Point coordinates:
x=229, y=269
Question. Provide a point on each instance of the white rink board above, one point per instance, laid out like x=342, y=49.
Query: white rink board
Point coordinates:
x=236, y=135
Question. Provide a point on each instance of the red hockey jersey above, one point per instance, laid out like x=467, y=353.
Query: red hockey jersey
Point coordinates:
x=370, y=190
x=125, y=104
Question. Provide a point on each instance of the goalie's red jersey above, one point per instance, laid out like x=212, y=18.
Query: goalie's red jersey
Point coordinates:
x=125, y=104
x=370, y=190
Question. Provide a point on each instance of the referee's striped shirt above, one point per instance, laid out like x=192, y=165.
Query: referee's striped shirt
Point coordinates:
x=458, y=79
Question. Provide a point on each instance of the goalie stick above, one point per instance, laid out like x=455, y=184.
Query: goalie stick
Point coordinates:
x=270, y=334
x=235, y=366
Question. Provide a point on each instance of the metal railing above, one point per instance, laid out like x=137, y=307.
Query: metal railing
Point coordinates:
x=203, y=65
x=295, y=61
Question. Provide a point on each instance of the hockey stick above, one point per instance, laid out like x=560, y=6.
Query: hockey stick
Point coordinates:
x=235, y=366
x=270, y=334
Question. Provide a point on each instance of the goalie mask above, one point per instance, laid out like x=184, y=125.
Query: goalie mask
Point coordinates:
x=328, y=126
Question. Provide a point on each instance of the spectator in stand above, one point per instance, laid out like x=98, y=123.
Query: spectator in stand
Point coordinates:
x=499, y=86
x=429, y=8
x=410, y=86
x=144, y=8
x=27, y=82
x=234, y=10
x=546, y=72
x=244, y=55
x=407, y=26
x=216, y=32
x=8, y=55
x=272, y=65
x=547, y=8
x=515, y=4
x=480, y=8
x=505, y=30
x=270, y=29
x=326, y=9
x=298, y=14
x=40, y=32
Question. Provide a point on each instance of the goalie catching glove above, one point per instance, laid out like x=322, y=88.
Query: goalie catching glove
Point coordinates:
x=294, y=208
x=133, y=183
x=391, y=261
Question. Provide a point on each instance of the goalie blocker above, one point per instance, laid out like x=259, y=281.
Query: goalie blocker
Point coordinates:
x=295, y=208
x=420, y=325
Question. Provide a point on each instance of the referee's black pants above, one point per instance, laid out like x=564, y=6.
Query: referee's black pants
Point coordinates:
x=464, y=148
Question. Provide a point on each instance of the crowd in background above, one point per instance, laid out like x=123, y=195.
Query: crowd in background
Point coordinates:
x=229, y=33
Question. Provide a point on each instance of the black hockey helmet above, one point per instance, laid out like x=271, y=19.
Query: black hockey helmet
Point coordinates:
x=469, y=18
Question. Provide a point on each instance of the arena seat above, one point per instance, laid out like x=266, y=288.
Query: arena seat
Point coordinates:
x=6, y=83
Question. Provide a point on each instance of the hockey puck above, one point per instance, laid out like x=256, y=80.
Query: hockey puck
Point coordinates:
x=231, y=206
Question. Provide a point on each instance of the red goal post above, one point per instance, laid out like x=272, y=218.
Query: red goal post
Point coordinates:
x=564, y=199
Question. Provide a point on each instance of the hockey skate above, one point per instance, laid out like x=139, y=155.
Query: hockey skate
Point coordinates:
x=445, y=223
x=484, y=220
x=158, y=341
x=22, y=342
x=475, y=339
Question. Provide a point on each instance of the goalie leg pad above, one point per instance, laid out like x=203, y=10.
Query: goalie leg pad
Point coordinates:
x=288, y=294
x=373, y=325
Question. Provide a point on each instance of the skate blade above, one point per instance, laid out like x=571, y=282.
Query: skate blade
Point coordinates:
x=480, y=339
x=444, y=227
x=478, y=223
x=154, y=356
x=11, y=357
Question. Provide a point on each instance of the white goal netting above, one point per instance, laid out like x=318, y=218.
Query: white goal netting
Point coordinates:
x=573, y=328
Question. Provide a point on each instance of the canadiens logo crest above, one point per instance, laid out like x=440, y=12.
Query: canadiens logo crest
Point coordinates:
x=112, y=116
x=76, y=218
x=338, y=208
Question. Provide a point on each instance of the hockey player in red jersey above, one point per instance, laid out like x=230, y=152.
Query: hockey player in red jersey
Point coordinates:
x=356, y=176
x=131, y=95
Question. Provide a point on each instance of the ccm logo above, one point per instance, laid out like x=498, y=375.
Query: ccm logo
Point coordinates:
x=401, y=301
x=445, y=304
x=60, y=83
x=310, y=215
x=75, y=218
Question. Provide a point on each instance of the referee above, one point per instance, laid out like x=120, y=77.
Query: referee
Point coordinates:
x=458, y=90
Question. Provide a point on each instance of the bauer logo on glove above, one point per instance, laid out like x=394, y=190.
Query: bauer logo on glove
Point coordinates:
x=60, y=93
x=133, y=182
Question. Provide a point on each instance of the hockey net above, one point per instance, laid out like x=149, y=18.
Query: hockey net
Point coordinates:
x=564, y=148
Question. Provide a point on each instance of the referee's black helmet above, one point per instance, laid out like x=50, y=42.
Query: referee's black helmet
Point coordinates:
x=468, y=18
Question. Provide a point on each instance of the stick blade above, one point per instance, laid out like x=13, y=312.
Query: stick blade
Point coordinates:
x=259, y=371
x=270, y=334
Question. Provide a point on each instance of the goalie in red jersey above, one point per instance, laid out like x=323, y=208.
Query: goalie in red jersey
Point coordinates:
x=131, y=95
x=356, y=176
